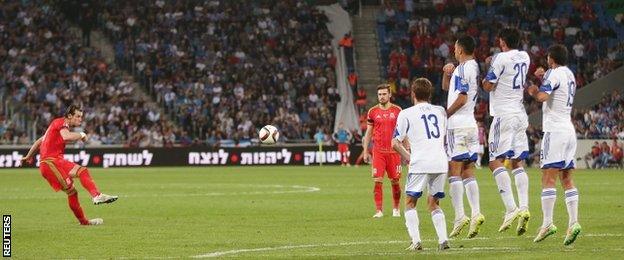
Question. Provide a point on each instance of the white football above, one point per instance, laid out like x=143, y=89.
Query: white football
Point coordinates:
x=268, y=134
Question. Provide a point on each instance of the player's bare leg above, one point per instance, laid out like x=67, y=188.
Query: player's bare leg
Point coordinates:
x=522, y=187
x=504, y=188
x=571, y=199
x=412, y=222
x=549, y=196
x=396, y=197
x=378, y=196
x=439, y=222
x=74, y=205
x=456, y=190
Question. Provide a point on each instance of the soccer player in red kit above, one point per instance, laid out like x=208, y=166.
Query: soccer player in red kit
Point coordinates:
x=60, y=172
x=381, y=121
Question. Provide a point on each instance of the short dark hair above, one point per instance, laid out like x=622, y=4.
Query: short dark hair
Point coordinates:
x=383, y=86
x=71, y=110
x=467, y=43
x=559, y=54
x=511, y=36
x=422, y=89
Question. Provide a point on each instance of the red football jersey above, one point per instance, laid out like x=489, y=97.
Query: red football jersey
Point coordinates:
x=53, y=144
x=383, y=122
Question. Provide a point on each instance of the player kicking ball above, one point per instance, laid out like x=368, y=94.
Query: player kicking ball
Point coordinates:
x=59, y=172
x=559, y=142
x=463, y=135
x=423, y=125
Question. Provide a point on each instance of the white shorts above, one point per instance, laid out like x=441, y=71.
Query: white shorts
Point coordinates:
x=507, y=138
x=462, y=144
x=558, y=150
x=434, y=182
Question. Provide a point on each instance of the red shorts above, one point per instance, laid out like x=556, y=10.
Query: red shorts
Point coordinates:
x=387, y=162
x=343, y=148
x=58, y=172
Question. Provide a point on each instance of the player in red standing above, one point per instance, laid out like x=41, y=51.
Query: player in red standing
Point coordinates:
x=381, y=121
x=60, y=172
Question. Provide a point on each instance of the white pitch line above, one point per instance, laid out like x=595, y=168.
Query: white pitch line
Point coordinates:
x=237, y=251
x=425, y=251
x=302, y=189
x=290, y=247
x=298, y=189
x=603, y=235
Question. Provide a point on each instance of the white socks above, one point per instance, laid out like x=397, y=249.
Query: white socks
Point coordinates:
x=439, y=222
x=456, y=190
x=522, y=186
x=504, y=188
x=549, y=196
x=472, y=192
x=411, y=222
x=571, y=199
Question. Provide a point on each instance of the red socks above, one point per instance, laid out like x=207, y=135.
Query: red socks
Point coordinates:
x=396, y=195
x=74, y=205
x=87, y=182
x=378, y=191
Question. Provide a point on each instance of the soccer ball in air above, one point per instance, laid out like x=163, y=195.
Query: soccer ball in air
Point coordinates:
x=268, y=134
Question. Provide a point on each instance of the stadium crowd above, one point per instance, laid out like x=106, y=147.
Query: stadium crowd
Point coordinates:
x=604, y=120
x=417, y=40
x=44, y=67
x=223, y=68
x=220, y=68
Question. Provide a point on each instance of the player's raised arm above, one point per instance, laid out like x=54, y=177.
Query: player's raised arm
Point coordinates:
x=446, y=79
x=72, y=136
x=33, y=149
x=494, y=73
x=542, y=93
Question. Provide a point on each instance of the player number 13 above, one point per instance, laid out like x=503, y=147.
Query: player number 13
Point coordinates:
x=433, y=119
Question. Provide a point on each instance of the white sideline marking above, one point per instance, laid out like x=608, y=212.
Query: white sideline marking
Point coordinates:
x=297, y=189
x=289, y=247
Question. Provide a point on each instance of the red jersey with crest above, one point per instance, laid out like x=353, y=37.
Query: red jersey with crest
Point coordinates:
x=53, y=145
x=383, y=122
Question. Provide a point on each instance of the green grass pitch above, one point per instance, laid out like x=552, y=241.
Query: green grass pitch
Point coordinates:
x=287, y=212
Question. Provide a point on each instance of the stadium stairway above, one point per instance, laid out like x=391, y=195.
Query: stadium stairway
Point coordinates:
x=101, y=43
x=367, y=54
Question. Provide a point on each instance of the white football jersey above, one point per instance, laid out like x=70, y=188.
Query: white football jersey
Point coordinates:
x=508, y=71
x=463, y=80
x=560, y=84
x=424, y=125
